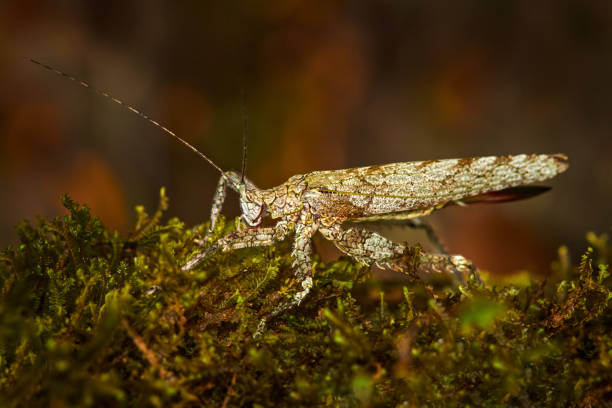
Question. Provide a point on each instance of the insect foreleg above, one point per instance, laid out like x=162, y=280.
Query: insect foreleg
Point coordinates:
x=217, y=204
x=248, y=238
x=232, y=180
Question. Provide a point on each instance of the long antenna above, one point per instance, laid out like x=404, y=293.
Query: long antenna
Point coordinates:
x=131, y=109
x=245, y=129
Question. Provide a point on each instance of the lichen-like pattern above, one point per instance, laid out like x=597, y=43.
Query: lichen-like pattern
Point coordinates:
x=411, y=186
x=324, y=200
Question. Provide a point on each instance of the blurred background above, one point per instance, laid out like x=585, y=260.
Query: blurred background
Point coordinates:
x=328, y=85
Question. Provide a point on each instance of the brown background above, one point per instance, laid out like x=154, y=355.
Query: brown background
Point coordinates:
x=329, y=84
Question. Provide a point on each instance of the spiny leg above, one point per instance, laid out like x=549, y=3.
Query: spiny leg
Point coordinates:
x=228, y=179
x=368, y=247
x=365, y=246
x=427, y=263
x=441, y=261
x=248, y=238
x=302, y=261
x=217, y=204
x=408, y=220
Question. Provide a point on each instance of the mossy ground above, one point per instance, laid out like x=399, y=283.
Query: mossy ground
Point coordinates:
x=90, y=318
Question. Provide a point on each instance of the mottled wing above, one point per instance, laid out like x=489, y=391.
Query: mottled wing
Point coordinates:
x=418, y=186
x=490, y=197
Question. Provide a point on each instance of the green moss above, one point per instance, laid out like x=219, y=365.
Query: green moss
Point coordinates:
x=89, y=318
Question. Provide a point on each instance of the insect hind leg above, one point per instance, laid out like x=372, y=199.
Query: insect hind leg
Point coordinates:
x=420, y=223
x=369, y=248
x=363, y=245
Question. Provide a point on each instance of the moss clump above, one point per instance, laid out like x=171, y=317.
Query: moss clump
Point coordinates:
x=88, y=318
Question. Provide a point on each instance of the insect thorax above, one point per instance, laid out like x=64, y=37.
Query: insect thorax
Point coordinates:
x=285, y=199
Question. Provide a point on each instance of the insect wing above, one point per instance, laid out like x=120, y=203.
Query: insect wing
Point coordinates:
x=412, y=186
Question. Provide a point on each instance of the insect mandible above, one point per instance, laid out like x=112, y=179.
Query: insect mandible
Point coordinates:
x=326, y=201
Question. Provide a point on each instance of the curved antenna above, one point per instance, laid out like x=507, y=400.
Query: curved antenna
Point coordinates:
x=245, y=128
x=130, y=108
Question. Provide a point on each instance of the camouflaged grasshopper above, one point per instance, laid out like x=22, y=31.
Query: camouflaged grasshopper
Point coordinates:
x=329, y=201
x=325, y=201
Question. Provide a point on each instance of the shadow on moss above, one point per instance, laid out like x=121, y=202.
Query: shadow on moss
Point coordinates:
x=88, y=318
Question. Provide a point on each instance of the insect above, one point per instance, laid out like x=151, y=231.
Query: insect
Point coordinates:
x=334, y=202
